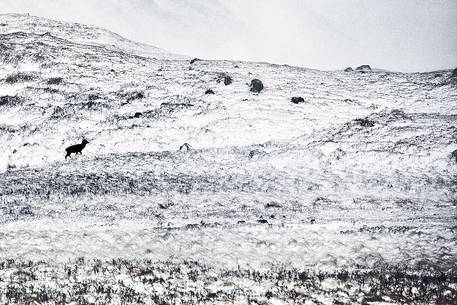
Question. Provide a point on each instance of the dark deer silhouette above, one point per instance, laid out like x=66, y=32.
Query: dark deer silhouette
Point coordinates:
x=76, y=148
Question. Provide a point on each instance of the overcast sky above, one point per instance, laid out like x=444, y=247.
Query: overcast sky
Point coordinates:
x=400, y=35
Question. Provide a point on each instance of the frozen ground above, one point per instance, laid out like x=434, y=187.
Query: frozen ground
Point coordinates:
x=276, y=203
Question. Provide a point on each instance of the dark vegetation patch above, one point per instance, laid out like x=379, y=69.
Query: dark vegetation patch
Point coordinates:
x=35, y=183
x=135, y=96
x=381, y=229
x=19, y=77
x=130, y=96
x=54, y=81
x=51, y=90
x=364, y=122
x=83, y=280
x=454, y=155
x=8, y=100
x=224, y=78
x=93, y=97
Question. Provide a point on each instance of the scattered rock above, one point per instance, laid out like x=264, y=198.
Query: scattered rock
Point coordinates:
x=264, y=221
x=273, y=205
x=137, y=114
x=209, y=91
x=364, y=122
x=313, y=221
x=364, y=68
x=348, y=69
x=256, y=85
x=297, y=100
x=236, y=67
x=185, y=146
x=228, y=80
x=252, y=153
x=194, y=60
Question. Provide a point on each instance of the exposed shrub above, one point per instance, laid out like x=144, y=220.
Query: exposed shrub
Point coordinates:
x=19, y=77
x=10, y=100
x=55, y=81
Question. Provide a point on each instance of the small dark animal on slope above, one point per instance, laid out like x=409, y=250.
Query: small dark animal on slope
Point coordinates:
x=76, y=148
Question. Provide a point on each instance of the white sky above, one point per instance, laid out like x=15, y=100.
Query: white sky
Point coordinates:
x=400, y=35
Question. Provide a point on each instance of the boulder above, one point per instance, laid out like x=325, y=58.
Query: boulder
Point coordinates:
x=348, y=69
x=209, y=91
x=256, y=85
x=297, y=100
x=194, y=60
x=364, y=68
x=228, y=80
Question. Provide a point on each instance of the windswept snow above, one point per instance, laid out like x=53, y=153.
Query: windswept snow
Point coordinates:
x=347, y=198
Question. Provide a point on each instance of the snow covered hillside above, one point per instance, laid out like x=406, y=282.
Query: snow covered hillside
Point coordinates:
x=348, y=197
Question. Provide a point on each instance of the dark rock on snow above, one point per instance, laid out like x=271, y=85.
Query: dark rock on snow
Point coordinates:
x=256, y=85
x=297, y=100
x=364, y=68
x=348, y=69
x=194, y=60
x=137, y=114
x=209, y=91
x=228, y=80
x=364, y=122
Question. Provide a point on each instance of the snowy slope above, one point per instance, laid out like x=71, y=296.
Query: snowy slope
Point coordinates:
x=274, y=202
x=408, y=35
x=79, y=33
